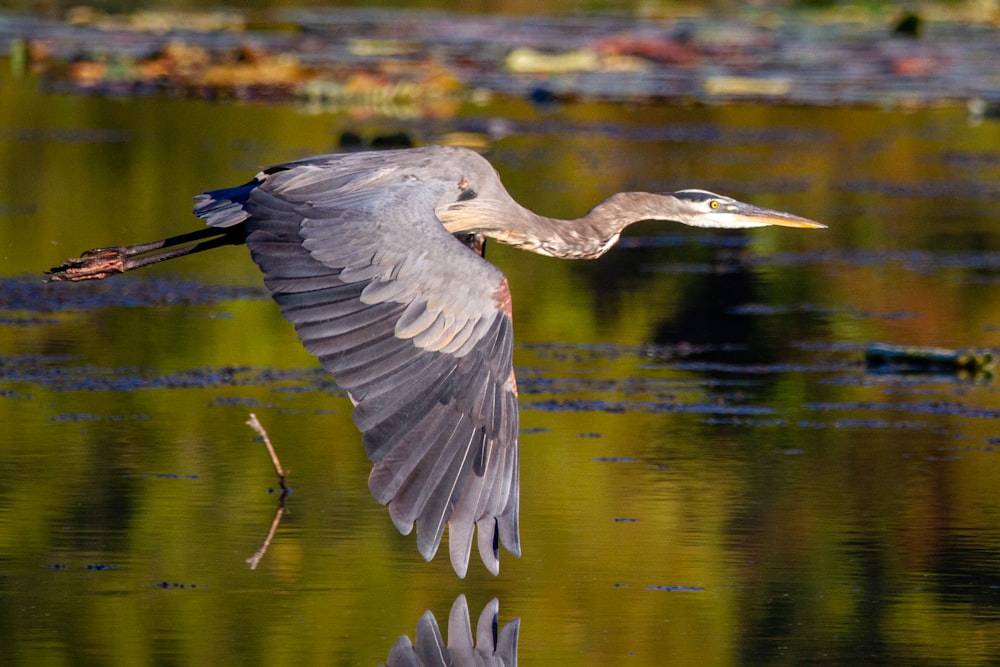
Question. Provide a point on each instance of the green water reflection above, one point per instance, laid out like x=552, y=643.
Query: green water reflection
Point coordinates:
x=707, y=473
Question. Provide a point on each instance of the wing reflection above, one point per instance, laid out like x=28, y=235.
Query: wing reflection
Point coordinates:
x=429, y=650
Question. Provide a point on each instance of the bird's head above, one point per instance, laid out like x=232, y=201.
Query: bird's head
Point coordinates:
x=700, y=208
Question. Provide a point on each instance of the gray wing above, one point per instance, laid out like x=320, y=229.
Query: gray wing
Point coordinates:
x=411, y=323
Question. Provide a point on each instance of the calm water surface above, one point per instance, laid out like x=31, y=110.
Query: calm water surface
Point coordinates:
x=708, y=472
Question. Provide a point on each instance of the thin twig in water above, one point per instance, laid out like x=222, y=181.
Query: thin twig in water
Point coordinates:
x=255, y=559
x=256, y=425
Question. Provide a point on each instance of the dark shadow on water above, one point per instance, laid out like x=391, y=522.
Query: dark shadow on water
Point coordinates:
x=32, y=294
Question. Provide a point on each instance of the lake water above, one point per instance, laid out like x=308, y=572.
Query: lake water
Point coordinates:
x=709, y=473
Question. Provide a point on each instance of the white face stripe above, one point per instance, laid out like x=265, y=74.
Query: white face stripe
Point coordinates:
x=724, y=220
x=704, y=200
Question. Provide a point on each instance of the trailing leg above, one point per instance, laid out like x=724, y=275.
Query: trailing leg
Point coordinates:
x=100, y=263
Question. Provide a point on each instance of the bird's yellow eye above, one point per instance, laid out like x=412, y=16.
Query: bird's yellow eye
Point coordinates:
x=713, y=204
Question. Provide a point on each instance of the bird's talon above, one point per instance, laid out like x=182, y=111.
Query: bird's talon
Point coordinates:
x=95, y=264
x=95, y=252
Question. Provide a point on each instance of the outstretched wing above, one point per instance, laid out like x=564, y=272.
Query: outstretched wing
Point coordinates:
x=414, y=325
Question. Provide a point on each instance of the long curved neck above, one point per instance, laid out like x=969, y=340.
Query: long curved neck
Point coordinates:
x=587, y=237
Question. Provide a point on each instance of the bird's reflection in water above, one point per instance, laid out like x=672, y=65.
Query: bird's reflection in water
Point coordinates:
x=429, y=650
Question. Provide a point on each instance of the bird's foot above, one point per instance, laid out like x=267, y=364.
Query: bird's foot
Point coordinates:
x=95, y=264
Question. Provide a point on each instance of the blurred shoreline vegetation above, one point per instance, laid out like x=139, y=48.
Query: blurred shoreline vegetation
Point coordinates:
x=428, y=59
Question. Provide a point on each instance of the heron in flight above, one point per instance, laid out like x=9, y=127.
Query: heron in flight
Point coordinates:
x=376, y=259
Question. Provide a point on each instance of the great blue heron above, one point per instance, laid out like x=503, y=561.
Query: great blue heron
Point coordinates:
x=376, y=259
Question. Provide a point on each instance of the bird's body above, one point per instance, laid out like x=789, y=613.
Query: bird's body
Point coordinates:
x=368, y=255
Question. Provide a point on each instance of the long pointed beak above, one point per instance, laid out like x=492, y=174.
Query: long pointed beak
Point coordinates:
x=754, y=216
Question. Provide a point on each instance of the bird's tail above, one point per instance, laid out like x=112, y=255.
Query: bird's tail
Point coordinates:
x=225, y=207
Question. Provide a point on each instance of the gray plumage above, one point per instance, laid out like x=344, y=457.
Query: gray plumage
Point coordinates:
x=405, y=317
x=372, y=257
